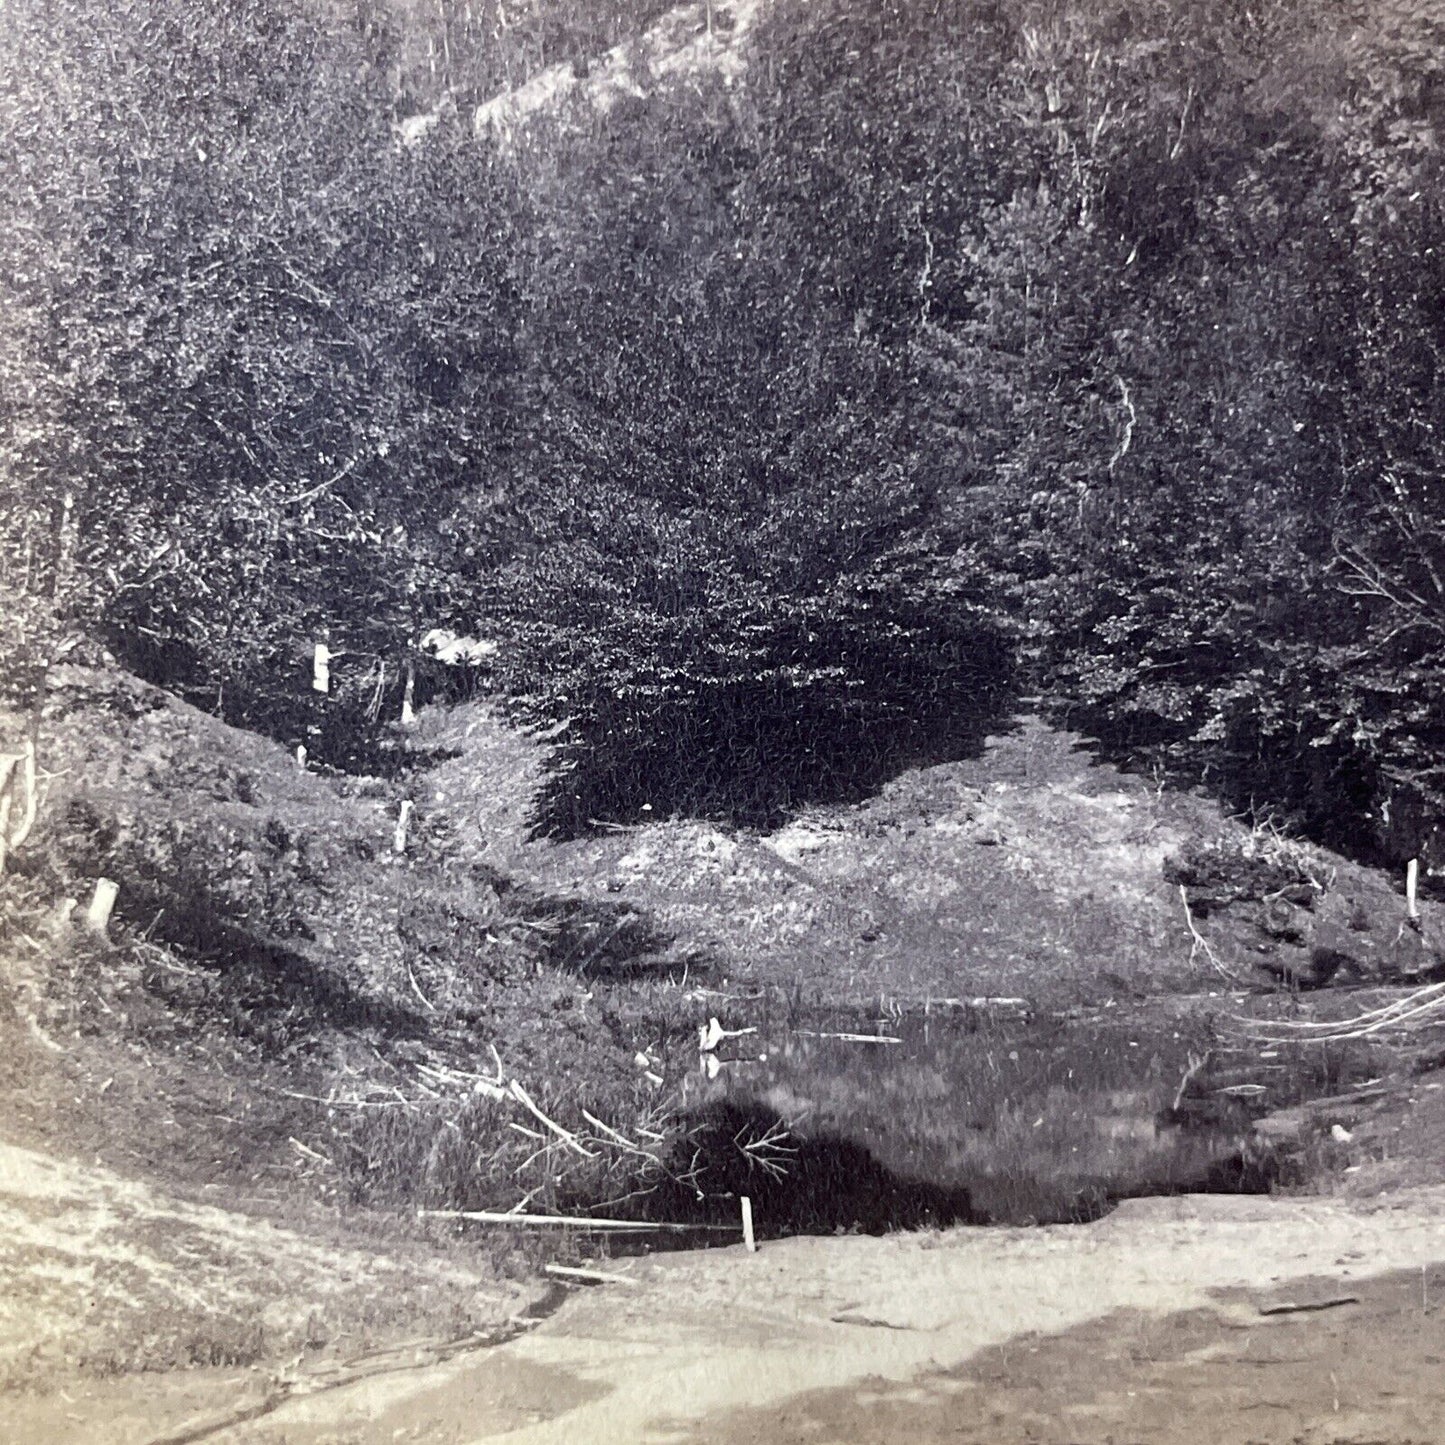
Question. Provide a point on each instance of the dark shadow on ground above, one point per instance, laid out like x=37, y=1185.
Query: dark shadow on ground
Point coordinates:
x=750, y=754
x=348, y=730
x=1366, y=1371
x=597, y=939
x=818, y=1185
x=275, y=993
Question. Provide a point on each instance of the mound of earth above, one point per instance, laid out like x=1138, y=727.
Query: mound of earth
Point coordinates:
x=1032, y=869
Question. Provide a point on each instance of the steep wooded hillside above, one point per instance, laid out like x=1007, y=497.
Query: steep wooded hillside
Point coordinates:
x=778, y=417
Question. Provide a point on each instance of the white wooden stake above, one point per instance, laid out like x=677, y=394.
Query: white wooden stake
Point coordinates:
x=748, y=1239
x=17, y=791
x=408, y=697
x=321, y=668
x=1412, y=884
x=301, y=755
x=97, y=916
x=398, y=838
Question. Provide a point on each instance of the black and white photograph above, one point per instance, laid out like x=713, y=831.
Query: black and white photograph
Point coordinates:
x=722, y=723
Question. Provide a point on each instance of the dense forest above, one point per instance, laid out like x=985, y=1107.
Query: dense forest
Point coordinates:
x=780, y=424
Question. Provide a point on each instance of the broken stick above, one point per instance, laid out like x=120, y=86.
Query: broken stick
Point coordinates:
x=1291, y=1308
x=568, y=1138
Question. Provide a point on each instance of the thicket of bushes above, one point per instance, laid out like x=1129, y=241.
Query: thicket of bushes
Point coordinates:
x=773, y=429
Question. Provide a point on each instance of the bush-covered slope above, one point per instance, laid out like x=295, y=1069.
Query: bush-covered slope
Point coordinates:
x=775, y=421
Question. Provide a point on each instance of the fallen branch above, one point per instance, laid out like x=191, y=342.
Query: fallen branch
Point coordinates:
x=608, y=1130
x=569, y=1221
x=592, y=1276
x=341, y=1103
x=1196, y=1063
x=348, y=1373
x=1201, y=943
x=866, y=1320
x=568, y=1138
x=1384, y=1012
x=208, y=1425
x=1421, y=1008
x=850, y=1038
x=416, y=989
x=1305, y=1306
x=769, y=1149
x=309, y=1152
x=1366, y=1093
x=461, y=1079
x=984, y=1001
x=621, y=1140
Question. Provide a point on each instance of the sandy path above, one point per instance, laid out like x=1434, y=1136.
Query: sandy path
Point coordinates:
x=726, y=1346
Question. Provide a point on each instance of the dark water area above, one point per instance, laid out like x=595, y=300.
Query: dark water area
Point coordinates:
x=972, y=1118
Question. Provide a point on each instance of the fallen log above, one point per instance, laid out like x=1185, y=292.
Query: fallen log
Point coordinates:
x=569, y=1221
x=589, y=1276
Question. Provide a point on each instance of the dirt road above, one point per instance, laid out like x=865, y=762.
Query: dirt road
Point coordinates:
x=1148, y=1326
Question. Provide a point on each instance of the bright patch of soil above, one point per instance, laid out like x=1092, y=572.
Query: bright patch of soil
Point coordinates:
x=1367, y=1372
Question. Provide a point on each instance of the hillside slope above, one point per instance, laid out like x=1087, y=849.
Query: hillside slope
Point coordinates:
x=291, y=1017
